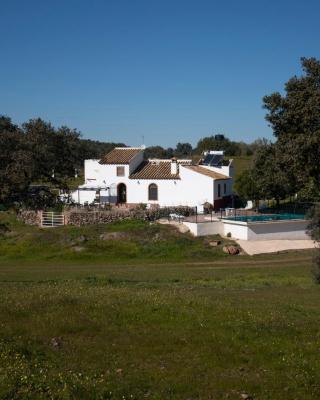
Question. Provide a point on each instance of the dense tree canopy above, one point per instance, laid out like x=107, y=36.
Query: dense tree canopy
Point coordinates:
x=158, y=152
x=295, y=120
x=314, y=231
x=37, y=152
x=245, y=185
x=183, y=150
x=291, y=165
x=220, y=142
x=15, y=161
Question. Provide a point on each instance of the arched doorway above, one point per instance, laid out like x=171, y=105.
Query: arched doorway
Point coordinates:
x=121, y=193
x=153, y=192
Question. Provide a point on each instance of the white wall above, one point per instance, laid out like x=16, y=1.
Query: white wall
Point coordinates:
x=91, y=170
x=103, y=174
x=276, y=230
x=238, y=230
x=191, y=189
x=227, y=170
x=135, y=162
x=205, y=228
x=84, y=196
x=222, y=182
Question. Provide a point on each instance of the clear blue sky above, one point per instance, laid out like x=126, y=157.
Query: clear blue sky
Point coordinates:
x=169, y=70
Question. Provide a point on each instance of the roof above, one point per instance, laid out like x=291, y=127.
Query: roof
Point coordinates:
x=206, y=171
x=154, y=170
x=120, y=155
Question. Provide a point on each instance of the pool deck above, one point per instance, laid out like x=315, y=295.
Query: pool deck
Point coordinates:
x=274, y=246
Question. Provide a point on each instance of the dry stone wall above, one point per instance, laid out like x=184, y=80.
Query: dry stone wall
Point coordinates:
x=84, y=217
x=29, y=217
x=80, y=217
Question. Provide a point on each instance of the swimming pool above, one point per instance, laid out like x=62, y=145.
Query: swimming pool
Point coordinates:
x=265, y=217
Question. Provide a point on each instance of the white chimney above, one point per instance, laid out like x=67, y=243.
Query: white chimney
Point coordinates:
x=174, y=166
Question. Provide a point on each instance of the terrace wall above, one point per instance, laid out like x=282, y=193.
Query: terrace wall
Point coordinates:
x=268, y=230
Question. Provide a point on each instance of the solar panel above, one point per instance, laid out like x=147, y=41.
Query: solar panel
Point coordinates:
x=213, y=160
x=216, y=160
x=207, y=160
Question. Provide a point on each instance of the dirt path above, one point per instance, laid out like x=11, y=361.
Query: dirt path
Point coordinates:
x=263, y=261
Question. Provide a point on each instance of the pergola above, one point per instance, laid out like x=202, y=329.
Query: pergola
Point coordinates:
x=91, y=188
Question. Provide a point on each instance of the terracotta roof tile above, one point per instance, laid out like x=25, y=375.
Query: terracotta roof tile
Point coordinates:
x=119, y=155
x=154, y=170
x=207, y=172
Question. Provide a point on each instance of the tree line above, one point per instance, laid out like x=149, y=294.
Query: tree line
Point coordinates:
x=213, y=142
x=37, y=152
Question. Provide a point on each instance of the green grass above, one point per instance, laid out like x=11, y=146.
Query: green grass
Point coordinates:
x=241, y=163
x=208, y=328
x=160, y=332
x=137, y=241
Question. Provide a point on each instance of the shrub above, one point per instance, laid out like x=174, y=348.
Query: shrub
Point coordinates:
x=141, y=206
x=3, y=229
x=314, y=231
x=316, y=266
x=3, y=207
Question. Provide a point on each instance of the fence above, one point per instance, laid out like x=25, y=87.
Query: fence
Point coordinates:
x=52, y=219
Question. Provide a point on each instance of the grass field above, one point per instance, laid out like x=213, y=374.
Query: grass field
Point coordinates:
x=210, y=328
x=120, y=242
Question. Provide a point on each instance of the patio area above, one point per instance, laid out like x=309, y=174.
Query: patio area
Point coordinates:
x=274, y=246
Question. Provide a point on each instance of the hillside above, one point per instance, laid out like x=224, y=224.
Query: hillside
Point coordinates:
x=121, y=242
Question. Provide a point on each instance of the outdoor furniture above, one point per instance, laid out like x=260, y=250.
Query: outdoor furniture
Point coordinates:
x=176, y=217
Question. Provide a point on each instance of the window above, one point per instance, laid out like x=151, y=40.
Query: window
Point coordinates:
x=224, y=188
x=153, y=192
x=120, y=171
x=219, y=190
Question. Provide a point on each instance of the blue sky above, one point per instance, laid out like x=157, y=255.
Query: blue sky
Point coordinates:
x=166, y=70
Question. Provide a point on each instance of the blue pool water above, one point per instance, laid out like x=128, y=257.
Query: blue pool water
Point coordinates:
x=266, y=217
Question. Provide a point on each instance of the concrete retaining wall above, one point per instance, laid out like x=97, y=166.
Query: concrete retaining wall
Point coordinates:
x=205, y=228
x=275, y=230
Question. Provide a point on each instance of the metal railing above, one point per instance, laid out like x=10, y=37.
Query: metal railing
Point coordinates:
x=52, y=219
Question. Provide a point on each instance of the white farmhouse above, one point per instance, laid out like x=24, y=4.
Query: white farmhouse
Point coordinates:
x=123, y=176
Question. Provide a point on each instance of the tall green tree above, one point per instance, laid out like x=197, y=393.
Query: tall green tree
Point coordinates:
x=246, y=186
x=220, y=142
x=295, y=120
x=271, y=178
x=15, y=162
x=40, y=139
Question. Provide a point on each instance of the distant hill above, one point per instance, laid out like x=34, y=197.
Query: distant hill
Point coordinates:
x=241, y=163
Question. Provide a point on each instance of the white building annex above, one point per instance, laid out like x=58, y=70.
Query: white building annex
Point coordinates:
x=123, y=176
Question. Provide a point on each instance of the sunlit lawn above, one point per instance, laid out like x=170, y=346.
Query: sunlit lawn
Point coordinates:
x=160, y=332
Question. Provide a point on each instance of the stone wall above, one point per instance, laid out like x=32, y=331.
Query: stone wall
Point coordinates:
x=29, y=217
x=85, y=217
x=79, y=217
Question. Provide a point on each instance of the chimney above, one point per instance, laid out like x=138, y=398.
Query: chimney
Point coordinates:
x=174, y=166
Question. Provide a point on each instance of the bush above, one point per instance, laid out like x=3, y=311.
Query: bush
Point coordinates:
x=141, y=206
x=3, y=207
x=314, y=231
x=316, y=266
x=3, y=229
